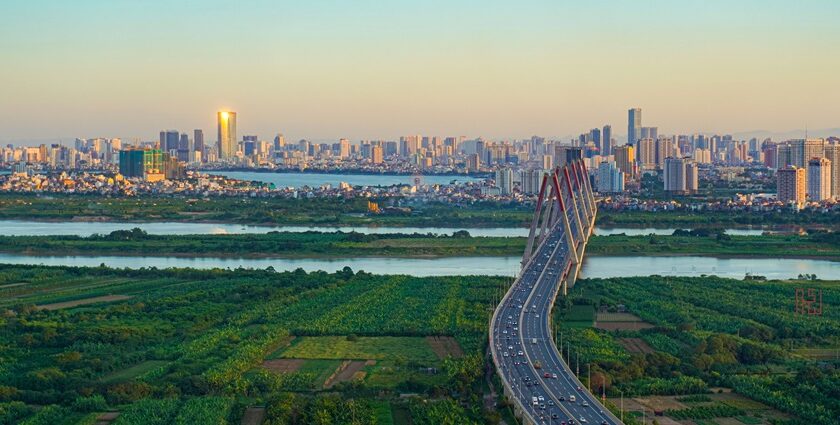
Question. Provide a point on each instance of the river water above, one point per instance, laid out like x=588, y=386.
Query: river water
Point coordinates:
x=594, y=266
x=81, y=228
x=318, y=179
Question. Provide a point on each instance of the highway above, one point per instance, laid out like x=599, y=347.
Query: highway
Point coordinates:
x=521, y=336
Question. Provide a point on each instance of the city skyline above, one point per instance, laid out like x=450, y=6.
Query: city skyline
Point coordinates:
x=361, y=72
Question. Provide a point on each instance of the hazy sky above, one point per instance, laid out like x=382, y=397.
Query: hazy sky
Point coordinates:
x=379, y=69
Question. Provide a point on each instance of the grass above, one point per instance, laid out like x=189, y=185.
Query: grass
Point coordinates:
x=749, y=420
x=133, y=371
x=363, y=348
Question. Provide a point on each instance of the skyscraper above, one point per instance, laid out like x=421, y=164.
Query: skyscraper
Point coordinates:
x=198, y=141
x=226, y=129
x=634, y=125
x=819, y=179
x=790, y=185
x=625, y=160
x=647, y=154
x=169, y=140
x=606, y=141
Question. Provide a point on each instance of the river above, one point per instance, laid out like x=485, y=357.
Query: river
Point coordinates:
x=594, y=266
x=82, y=228
x=318, y=179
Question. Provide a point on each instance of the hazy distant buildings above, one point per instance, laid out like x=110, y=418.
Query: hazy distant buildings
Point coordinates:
x=647, y=154
x=634, y=125
x=169, y=140
x=530, y=181
x=819, y=179
x=790, y=185
x=226, y=131
x=376, y=154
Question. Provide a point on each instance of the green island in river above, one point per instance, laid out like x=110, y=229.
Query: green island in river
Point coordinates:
x=312, y=244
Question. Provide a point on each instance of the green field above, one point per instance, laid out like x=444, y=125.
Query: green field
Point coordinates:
x=361, y=348
x=191, y=343
x=712, y=332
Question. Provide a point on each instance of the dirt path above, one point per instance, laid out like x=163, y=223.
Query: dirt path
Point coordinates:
x=86, y=301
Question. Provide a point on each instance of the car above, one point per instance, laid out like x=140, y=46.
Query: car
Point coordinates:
x=585, y=404
x=554, y=375
x=571, y=399
x=546, y=375
x=604, y=422
x=551, y=402
x=542, y=406
x=579, y=388
x=553, y=416
x=583, y=420
x=505, y=354
x=541, y=398
x=562, y=398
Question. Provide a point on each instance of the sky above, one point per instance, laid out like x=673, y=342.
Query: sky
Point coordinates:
x=362, y=69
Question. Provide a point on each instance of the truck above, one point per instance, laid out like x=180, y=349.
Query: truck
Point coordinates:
x=534, y=401
x=533, y=340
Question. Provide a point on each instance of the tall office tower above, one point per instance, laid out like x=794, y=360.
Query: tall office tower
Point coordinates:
x=184, y=148
x=625, y=160
x=279, y=142
x=819, y=179
x=610, y=178
x=674, y=175
x=634, y=125
x=226, y=132
x=376, y=156
x=832, y=153
x=790, y=185
x=198, y=142
x=343, y=148
x=606, y=141
x=504, y=180
x=647, y=154
x=650, y=133
x=249, y=145
x=595, y=137
x=566, y=155
x=169, y=140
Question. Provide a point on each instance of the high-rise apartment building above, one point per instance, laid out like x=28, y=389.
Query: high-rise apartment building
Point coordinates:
x=226, y=131
x=530, y=181
x=649, y=133
x=832, y=153
x=376, y=155
x=790, y=185
x=634, y=125
x=647, y=154
x=610, y=178
x=504, y=180
x=606, y=147
x=819, y=179
x=680, y=175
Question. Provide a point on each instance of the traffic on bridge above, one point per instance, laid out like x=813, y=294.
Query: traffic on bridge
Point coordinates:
x=534, y=374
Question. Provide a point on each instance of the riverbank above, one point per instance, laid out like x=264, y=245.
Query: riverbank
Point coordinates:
x=337, y=245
